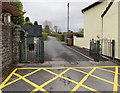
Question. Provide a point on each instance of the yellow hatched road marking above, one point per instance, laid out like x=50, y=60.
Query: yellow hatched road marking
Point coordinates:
x=61, y=76
x=31, y=83
x=83, y=80
x=108, y=70
x=80, y=71
x=102, y=79
x=49, y=81
x=8, y=78
x=90, y=88
x=71, y=80
x=95, y=76
x=20, y=78
x=69, y=67
x=115, y=88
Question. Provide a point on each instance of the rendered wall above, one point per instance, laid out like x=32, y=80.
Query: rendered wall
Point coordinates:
x=94, y=29
x=119, y=29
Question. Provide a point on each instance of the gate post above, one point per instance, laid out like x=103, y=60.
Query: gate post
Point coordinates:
x=20, y=51
x=98, y=50
x=41, y=51
x=113, y=49
x=90, y=48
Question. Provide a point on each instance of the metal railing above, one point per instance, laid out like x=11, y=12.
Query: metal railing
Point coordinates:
x=102, y=47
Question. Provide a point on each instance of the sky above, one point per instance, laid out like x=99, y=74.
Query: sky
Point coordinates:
x=56, y=13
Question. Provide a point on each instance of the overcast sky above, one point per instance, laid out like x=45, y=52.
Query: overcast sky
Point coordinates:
x=56, y=13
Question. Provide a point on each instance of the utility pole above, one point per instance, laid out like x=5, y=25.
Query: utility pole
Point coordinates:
x=68, y=19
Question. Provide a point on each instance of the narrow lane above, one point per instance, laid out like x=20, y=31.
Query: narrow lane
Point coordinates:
x=54, y=51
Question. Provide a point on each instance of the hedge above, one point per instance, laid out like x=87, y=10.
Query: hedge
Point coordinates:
x=45, y=36
x=58, y=36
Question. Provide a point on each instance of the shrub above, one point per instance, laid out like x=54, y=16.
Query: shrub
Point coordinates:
x=58, y=36
x=45, y=36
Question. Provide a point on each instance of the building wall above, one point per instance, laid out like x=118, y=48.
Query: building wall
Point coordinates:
x=110, y=26
x=79, y=41
x=93, y=26
x=93, y=22
x=119, y=29
x=10, y=48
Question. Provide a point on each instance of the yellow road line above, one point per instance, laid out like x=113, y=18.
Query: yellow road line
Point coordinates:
x=32, y=72
x=94, y=76
x=20, y=78
x=102, y=79
x=90, y=88
x=69, y=67
x=6, y=80
x=49, y=81
x=115, y=88
x=62, y=76
x=106, y=70
x=56, y=76
x=27, y=68
x=69, y=79
x=31, y=83
x=80, y=71
x=83, y=80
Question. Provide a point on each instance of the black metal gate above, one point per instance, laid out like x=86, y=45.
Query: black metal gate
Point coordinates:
x=31, y=46
x=95, y=49
x=102, y=47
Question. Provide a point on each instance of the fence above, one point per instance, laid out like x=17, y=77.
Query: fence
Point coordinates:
x=102, y=47
x=31, y=50
x=108, y=48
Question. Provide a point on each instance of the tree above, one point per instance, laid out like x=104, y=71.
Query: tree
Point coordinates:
x=19, y=19
x=35, y=23
x=47, y=27
x=56, y=28
x=27, y=21
x=81, y=32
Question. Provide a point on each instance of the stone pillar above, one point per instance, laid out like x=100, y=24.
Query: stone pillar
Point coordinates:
x=0, y=41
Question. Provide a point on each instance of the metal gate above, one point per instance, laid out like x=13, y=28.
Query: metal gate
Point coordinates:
x=102, y=47
x=108, y=48
x=95, y=49
x=31, y=50
x=31, y=45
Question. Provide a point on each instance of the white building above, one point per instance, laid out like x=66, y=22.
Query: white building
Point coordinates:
x=101, y=22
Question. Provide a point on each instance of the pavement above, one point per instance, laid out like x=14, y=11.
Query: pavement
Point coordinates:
x=64, y=71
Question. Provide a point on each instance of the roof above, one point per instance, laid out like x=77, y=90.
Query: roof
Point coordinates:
x=7, y=7
x=92, y=5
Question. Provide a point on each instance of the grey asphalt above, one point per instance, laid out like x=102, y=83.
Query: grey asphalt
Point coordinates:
x=55, y=51
x=57, y=55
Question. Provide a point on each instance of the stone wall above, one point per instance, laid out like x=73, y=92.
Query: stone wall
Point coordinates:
x=10, y=47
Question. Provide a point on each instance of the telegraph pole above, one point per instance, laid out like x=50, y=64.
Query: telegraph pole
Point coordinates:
x=68, y=19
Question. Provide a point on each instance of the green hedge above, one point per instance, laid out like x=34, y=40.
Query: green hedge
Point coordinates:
x=58, y=36
x=45, y=36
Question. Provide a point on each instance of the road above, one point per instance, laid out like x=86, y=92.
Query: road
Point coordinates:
x=68, y=71
x=56, y=52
